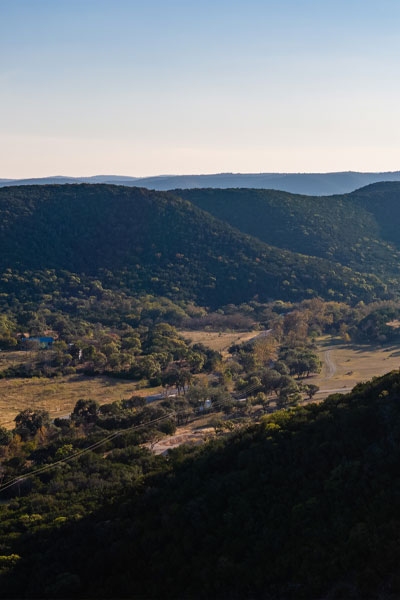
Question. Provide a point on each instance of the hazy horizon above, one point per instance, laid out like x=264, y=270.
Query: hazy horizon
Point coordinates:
x=199, y=174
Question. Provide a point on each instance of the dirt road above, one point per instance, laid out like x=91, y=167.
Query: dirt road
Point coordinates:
x=330, y=364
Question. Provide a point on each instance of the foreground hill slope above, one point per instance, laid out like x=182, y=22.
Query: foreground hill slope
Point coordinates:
x=359, y=230
x=304, y=505
x=156, y=242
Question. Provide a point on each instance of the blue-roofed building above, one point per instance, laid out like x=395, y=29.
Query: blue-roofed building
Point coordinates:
x=43, y=342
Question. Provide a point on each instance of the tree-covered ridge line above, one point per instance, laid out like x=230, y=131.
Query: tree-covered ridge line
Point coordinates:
x=358, y=230
x=140, y=241
x=314, y=490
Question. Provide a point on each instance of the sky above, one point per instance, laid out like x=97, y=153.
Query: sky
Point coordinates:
x=153, y=87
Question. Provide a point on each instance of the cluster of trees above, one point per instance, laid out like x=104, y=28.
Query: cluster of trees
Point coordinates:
x=157, y=354
x=300, y=360
x=376, y=322
x=289, y=508
x=268, y=365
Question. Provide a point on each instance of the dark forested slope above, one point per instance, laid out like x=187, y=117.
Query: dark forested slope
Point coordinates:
x=359, y=230
x=304, y=505
x=155, y=242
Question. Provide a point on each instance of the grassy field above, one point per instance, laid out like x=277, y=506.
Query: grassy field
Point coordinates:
x=217, y=340
x=344, y=365
x=59, y=395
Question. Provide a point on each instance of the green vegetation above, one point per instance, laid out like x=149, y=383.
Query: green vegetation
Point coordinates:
x=358, y=230
x=63, y=238
x=303, y=505
x=289, y=499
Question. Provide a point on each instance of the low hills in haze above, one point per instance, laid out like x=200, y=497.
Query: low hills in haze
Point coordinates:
x=318, y=184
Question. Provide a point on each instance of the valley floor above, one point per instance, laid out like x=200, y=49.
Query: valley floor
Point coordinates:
x=59, y=395
x=345, y=365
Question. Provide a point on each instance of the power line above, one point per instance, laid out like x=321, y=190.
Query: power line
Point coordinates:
x=79, y=453
x=8, y=484
x=20, y=478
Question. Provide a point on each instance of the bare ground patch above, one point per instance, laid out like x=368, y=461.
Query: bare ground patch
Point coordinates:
x=217, y=340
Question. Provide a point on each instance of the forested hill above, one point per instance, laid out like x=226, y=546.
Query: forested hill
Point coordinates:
x=304, y=505
x=360, y=230
x=141, y=240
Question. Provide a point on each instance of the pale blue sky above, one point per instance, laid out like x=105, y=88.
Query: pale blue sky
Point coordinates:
x=173, y=86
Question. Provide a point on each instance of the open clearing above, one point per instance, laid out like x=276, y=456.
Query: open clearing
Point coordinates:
x=344, y=365
x=59, y=395
x=219, y=340
x=184, y=435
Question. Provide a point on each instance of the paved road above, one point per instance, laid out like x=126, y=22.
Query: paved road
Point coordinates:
x=260, y=336
x=342, y=390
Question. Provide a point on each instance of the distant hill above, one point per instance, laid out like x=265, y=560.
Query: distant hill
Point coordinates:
x=316, y=184
x=61, y=180
x=360, y=230
x=156, y=242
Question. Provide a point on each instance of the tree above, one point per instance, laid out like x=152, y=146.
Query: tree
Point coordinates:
x=184, y=379
x=5, y=436
x=168, y=427
x=343, y=332
x=64, y=451
x=196, y=361
x=170, y=377
x=196, y=394
x=134, y=402
x=7, y=342
x=311, y=390
x=89, y=352
x=154, y=436
x=271, y=379
x=265, y=350
x=28, y=422
x=281, y=367
x=85, y=410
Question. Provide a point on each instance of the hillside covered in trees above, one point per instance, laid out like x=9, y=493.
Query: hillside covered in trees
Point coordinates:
x=358, y=230
x=302, y=505
x=285, y=499
x=139, y=241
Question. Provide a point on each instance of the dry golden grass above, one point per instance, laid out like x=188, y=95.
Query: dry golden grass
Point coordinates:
x=8, y=359
x=344, y=365
x=59, y=395
x=217, y=340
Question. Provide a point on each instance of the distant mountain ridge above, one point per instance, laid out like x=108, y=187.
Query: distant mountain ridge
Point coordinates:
x=314, y=184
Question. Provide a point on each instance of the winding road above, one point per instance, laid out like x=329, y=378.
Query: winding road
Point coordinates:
x=330, y=365
x=331, y=369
